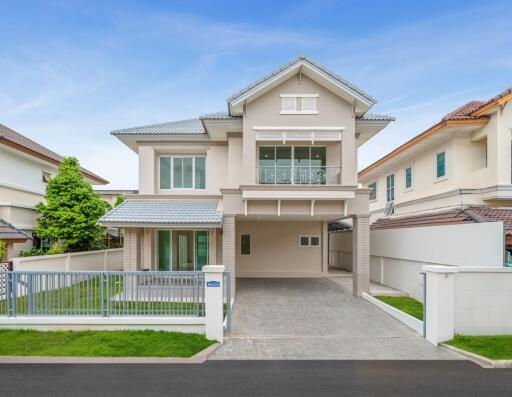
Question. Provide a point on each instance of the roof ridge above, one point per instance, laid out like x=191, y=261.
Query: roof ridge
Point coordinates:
x=301, y=57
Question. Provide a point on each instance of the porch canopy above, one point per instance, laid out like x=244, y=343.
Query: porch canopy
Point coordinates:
x=189, y=214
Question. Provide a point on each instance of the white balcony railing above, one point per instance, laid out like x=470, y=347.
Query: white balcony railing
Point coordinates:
x=297, y=175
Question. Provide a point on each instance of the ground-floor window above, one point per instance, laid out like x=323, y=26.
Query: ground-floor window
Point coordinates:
x=245, y=244
x=182, y=250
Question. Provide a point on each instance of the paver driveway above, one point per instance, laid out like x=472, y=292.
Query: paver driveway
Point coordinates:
x=315, y=319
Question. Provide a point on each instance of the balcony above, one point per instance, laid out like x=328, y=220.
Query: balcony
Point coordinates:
x=298, y=175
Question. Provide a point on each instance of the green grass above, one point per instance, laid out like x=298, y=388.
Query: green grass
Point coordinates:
x=404, y=303
x=498, y=347
x=101, y=343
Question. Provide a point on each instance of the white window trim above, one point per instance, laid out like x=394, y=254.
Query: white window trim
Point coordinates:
x=180, y=189
x=394, y=187
x=445, y=176
x=250, y=244
x=319, y=241
x=376, y=191
x=297, y=111
x=408, y=189
x=304, y=246
x=157, y=251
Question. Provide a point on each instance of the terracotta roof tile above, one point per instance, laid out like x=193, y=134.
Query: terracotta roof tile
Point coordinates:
x=9, y=232
x=464, y=112
x=475, y=214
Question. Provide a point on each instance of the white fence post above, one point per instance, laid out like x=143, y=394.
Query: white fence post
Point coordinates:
x=440, y=303
x=213, y=301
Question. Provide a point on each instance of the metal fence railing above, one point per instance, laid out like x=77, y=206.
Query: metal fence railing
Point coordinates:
x=106, y=294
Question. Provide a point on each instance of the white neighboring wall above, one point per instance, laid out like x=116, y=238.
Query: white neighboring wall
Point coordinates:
x=398, y=255
x=468, y=301
x=102, y=260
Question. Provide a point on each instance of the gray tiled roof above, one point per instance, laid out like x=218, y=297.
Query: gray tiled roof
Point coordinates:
x=165, y=212
x=218, y=116
x=23, y=142
x=376, y=117
x=10, y=232
x=185, y=127
x=302, y=58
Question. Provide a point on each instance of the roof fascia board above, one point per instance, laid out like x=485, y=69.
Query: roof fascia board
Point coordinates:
x=424, y=135
x=40, y=156
x=486, y=108
x=292, y=69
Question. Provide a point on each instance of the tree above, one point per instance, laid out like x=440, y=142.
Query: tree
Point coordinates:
x=119, y=201
x=3, y=249
x=72, y=210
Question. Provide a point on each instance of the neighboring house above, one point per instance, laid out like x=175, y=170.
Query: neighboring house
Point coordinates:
x=25, y=168
x=111, y=195
x=253, y=188
x=464, y=160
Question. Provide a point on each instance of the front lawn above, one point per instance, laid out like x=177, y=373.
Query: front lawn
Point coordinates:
x=101, y=343
x=498, y=347
x=408, y=305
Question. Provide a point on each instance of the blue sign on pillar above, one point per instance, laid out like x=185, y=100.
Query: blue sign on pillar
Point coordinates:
x=213, y=284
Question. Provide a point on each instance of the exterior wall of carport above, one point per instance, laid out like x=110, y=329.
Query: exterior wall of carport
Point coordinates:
x=275, y=249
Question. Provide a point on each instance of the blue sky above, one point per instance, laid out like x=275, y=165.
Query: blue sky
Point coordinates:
x=70, y=72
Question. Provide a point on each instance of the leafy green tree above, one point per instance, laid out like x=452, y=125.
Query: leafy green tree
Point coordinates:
x=119, y=201
x=3, y=249
x=72, y=210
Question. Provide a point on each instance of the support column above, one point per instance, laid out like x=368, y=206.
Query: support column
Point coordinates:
x=325, y=248
x=10, y=251
x=212, y=247
x=130, y=252
x=147, y=249
x=229, y=247
x=213, y=300
x=360, y=254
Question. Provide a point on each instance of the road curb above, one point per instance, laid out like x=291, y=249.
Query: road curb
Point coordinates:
x=484, y=362
x=198, y=358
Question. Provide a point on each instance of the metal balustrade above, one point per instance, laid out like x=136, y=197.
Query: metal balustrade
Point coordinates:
x=103, y=293
x=298, y=175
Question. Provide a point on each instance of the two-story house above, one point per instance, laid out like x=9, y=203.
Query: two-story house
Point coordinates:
x=253, y=188
x=459, y=170
x=25, y=168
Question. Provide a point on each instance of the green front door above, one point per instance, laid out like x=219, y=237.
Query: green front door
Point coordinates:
x=201, y=249
x=182, y=250
x=164, y=250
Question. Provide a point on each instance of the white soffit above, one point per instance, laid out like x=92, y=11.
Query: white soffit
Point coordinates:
x=297, y=195
x=306, y=134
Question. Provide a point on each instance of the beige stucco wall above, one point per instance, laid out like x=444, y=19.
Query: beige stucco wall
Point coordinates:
x=465, y=165
x=333, y=111
x=275, y=249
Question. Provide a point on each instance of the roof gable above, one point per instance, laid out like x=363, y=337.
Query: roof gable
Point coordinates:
x=309, y=68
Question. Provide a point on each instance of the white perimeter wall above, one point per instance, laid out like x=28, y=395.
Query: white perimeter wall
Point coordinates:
x=107, y=260
x=398, y=255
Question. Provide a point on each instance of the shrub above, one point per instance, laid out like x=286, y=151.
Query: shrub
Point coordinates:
x=33, y=252
x=56, y=249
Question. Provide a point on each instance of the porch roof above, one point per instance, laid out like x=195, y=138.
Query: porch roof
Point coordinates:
x=164, y=212
x=9, y=232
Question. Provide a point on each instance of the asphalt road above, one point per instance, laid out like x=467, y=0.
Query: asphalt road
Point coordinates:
x=258, y=378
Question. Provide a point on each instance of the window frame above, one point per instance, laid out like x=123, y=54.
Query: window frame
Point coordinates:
x=406, y=188
x=309, y=237
x=300, y=241
x=171, y=172
x=445, y=176
x=297, y=96
x=392, y=188
x=250, y=244
x=372, y=190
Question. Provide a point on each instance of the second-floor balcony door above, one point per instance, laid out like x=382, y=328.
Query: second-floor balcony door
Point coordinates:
x=301, y=165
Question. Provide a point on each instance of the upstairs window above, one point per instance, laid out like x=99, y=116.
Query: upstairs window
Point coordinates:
x=440, y=165
x=46, y=177
x=390, y=188
x=408, y=178
x=299, y=104
x=182, y=172
x=373, y=191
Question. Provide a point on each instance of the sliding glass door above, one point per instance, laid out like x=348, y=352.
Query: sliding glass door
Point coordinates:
x=182, y=250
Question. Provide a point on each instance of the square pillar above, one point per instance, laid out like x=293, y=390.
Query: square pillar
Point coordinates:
x=147, y=249
x=229, y=247
x=360, y=254
x=131, y=249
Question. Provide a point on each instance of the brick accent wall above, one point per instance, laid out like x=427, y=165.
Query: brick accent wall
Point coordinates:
x=361, y=254
x=131, y=246
x=229, y=247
